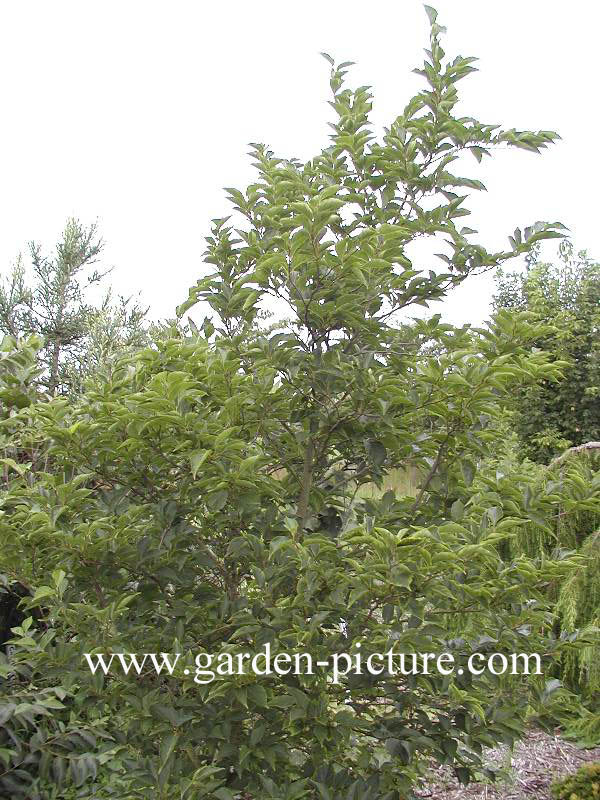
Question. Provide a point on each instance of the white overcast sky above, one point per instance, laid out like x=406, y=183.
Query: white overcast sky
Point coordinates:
x=136, y=113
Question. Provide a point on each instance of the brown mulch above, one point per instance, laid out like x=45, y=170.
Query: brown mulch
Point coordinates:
x=527, y=771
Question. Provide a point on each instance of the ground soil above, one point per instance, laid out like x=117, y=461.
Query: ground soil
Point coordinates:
x=527, y=771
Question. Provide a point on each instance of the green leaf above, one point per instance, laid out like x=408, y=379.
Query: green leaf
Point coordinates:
x=223, y=793
x=457, y=510
x=167, y=746
x=197, y=459
x=258, y=695
x=43, y=591
x=431, y=14
x=217, y=500
x=468, y=471
x=377, y=452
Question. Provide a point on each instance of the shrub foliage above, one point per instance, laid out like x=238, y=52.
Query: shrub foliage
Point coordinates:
x=204, y=499
x=582, y=785
x=565, y=296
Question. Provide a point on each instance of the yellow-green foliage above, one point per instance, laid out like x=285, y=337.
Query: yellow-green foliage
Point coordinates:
x=578, y=607
x=576, y=527
x=581, y=785
x=586, y=729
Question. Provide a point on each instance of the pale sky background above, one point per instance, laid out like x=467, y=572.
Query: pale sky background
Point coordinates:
x=135, y=113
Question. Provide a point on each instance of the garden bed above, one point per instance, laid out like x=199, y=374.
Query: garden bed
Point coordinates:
x=526, y=773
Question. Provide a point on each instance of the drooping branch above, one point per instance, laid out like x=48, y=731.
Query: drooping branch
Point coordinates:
x=580, y=448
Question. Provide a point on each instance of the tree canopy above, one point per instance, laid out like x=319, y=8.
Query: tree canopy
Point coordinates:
x=77, y=337
x=565, y=296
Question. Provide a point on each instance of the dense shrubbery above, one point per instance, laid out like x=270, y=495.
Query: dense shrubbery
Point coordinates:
x=550, y=416
x=553, y=415
x=203, y=497
x=162, y=555
x=582, y=785
x=575, y=528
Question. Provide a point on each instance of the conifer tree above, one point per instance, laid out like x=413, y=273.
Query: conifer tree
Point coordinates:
x=78, y=336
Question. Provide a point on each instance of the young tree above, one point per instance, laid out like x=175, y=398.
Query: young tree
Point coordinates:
x=204, y=500
x=77, y=336
x=551, y=416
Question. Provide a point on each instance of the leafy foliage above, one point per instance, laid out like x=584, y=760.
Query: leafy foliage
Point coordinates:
x=552, y=416
x=573, y=528
x=204, y=498
x=165, y=553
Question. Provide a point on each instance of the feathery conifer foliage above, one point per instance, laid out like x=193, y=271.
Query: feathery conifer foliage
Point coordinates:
x=77, y=337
